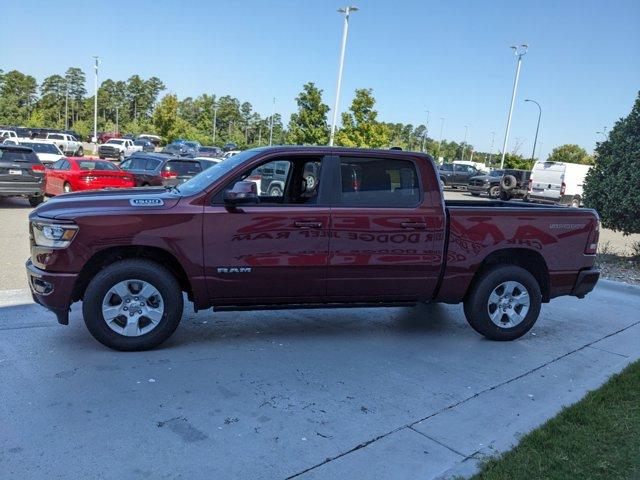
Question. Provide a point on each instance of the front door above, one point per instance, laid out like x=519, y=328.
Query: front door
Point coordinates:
x=383, y=233
x=270, y=252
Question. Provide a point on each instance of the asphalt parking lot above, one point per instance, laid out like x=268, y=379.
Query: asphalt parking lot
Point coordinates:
x=370, y=393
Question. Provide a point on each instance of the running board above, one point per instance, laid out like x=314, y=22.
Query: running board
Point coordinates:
x=305, y=306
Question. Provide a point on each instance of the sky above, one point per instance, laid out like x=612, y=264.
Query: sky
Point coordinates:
x=451, y=58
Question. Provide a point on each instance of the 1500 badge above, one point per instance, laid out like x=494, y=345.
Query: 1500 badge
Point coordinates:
x=146, y=202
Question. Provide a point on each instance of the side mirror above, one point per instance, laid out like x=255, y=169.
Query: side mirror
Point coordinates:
x=241, y=193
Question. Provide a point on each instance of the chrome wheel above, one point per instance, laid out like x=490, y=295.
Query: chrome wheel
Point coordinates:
x=508, y=304
x=132, y=307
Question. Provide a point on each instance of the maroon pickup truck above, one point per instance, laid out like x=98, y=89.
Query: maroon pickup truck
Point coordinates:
x=371, y=228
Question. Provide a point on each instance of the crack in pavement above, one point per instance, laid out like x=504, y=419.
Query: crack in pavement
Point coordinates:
x=461, y=402
x=609, y=351
x=443, y=444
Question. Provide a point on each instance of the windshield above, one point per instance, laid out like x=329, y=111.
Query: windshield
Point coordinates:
x=496, y=173
x=42, y=147
x=117, y=142
x=210, y=175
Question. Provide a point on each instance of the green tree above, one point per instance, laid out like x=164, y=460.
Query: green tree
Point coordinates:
x=570, y=153
x=360, y=127
x=611, y=185
x=75, y=80
x=17, y=97
x=308, y=126
x=52, y=100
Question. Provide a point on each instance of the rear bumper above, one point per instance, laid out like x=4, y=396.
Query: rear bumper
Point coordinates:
x=52, y=290
x=20, y=188
x=585, y=282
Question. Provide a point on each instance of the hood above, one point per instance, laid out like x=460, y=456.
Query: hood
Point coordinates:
x=485, y=178
x=71, y=205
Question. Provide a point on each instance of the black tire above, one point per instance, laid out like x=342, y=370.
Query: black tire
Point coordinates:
x=494, y=192
x=475, y=194
x=275, y=191
x=66, y=188
x=35, y=201
x=508, y=182
x=148, y=271
x=121, y=157
x=504, y=196
x=80, y=152
x=476, y=307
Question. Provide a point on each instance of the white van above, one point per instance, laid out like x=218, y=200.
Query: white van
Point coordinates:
x=557, y=182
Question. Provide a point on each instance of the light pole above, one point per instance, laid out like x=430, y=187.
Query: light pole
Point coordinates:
x=519, y=51
x=493, y=137
x=345, y=29
x=273, y=114
x=603, y=133
x=66, y=104
x=441, y=129
x=535, y=140
x=95, y=104
x=117, y=120
x=215, y=120
x=464, y=144
x=426, y=131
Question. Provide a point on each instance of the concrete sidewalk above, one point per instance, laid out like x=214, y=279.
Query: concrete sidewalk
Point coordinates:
x=361, y=394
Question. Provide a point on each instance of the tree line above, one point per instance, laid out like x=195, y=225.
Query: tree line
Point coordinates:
x=134, y=106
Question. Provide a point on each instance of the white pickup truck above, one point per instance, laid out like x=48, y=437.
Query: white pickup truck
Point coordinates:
x=4, y=134
x=118, y=148
x=66, y=143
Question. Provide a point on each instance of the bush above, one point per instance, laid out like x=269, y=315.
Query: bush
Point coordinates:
x=611, y=187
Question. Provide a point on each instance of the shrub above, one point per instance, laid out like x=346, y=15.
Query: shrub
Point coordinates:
x=611, y=187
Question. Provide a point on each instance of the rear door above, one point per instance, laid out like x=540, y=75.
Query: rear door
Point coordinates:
x=382, y=232
x=546, y=180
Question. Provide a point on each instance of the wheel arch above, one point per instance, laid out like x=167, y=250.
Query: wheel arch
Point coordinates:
x=530, y=260
x=103, y=258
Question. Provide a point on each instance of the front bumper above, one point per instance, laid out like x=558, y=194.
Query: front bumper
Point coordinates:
x=52, y=290
x=585, y=282
x=478, y=188
x=109, y=153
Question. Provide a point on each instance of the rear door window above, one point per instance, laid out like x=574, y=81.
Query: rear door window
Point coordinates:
x=183, y=168
x=378, y=182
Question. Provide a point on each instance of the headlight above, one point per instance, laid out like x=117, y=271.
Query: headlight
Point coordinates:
x=53, y=235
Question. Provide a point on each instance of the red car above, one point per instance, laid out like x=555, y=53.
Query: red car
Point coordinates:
x=105, y=136
x=78, y=173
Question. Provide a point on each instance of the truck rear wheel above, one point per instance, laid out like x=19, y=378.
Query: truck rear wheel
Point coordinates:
x=132, y=305
x=504, y=303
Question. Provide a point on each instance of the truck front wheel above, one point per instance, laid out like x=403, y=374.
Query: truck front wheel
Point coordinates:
x=132, y=305
x=504, y=303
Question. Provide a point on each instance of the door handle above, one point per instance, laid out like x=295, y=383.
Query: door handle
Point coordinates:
x=414, y=225
x=301, y=224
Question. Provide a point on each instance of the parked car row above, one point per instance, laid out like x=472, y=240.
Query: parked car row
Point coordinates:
x=548, y=182
x=36, y=168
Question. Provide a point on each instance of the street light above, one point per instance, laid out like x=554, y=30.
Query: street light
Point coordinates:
x=95, y=104
x=215, y=120
x=273, y=114
x=535, y=140
x=345, y=29
x=426, y=131
x=441, y=128
x=603, y=132
x=519, y=51
x=464, y=144
x=493, y=137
